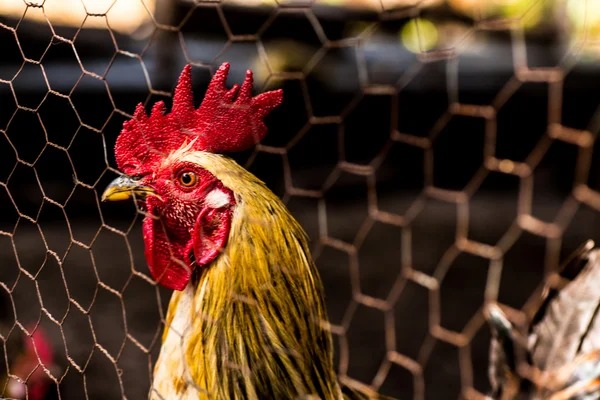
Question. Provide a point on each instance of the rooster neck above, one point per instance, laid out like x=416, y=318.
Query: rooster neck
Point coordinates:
x=252, y=323
x=171, y=375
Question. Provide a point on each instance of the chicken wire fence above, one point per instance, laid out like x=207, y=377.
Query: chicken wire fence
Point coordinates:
x=408, y=239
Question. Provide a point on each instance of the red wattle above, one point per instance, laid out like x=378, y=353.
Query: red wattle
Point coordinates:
x=166, y=258
x=211, y=233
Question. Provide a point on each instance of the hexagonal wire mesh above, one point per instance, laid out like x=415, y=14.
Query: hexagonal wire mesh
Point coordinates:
x=408, y=248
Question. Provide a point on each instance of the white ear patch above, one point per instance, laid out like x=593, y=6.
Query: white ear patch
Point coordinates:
x=217, y=199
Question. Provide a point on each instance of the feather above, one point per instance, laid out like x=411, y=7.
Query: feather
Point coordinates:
x=501, y=348
x=255, y=327
x=564, y=335
x=561, y=335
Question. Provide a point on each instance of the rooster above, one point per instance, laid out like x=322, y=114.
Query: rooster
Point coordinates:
x=561, y=342
x=247, y=317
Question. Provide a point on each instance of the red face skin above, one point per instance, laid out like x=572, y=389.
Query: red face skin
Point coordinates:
x=183, y=230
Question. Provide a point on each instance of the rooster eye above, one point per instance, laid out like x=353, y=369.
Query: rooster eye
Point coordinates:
x=188, y=179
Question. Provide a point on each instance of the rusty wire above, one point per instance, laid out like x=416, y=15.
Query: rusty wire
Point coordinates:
x=551, y=231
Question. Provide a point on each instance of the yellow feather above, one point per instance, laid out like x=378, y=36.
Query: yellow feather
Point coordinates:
x=256, y=321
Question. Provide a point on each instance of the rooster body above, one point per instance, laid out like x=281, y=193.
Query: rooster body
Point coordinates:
x=561, y=340
x=247, y=317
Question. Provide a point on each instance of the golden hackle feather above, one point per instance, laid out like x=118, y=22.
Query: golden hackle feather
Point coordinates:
x=254, y=328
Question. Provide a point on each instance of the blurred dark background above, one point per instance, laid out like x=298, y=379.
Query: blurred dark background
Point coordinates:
x=367, y=83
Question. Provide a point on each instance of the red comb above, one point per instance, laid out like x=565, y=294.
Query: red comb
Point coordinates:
x=223, y=123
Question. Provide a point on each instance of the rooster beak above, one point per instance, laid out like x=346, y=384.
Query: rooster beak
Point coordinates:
x=125, y=187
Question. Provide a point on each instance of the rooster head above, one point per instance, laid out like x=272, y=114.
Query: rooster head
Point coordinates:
x=189, y=207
